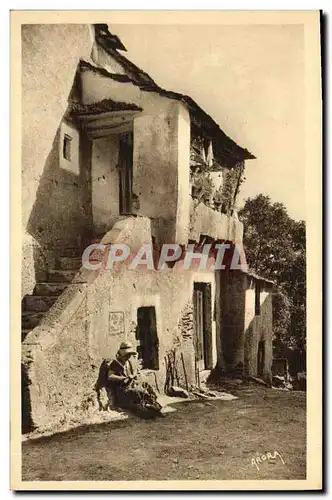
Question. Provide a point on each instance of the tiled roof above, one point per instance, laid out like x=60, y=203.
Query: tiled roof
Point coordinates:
x=102, y=107
x=113, y=41
x=224, y=144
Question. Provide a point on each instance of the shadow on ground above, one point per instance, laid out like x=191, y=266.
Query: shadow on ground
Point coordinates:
x=201, y=440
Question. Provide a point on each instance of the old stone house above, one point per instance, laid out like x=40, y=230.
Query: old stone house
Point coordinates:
x=109, y=156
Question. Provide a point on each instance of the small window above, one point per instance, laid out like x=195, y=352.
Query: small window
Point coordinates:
x=67, y=147
x=257, y=299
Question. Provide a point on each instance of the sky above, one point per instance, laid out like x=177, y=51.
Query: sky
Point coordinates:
x=250, y=79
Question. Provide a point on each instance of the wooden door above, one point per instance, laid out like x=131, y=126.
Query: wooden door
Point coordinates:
x=199, y=328
x=125, y=173
x=203, y=325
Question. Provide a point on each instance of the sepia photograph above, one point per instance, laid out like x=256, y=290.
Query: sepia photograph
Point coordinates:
x=166, y=202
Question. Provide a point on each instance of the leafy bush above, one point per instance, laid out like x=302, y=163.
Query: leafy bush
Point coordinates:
x=202, y=188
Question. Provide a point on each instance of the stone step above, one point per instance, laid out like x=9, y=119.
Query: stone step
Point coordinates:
x=50, y=288
x=31, y=319
x=69, y=263
x=38, y=303
x=61, y=276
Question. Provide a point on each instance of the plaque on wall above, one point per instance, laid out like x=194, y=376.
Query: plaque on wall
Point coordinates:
x=116, y=323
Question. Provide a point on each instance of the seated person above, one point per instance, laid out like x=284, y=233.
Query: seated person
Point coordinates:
x=128, y=391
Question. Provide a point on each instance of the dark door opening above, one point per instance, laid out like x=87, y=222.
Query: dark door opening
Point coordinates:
x=125, y=173
x=203, y=325
x=257, y=299
x=27, y=424
x=148, y=348
x=260, y=358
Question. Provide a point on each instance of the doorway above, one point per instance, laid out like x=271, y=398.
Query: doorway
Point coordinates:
x=260, y=358
x=27, y=424
x=203, y=326
x=125, y=173
x=148, y=343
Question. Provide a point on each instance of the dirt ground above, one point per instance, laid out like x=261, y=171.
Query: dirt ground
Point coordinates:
x=201, y=440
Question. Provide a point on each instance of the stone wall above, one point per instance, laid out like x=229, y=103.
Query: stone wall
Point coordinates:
x=232, y=295
x=63, y=201
x=50, y=55
x=241, y=328
x=258, y=328
x=186, y=344
x=60, y=373
x=61, y=213
x=121, y=292
x=205, y=220
x=156, y=169
x=160, y=154
x=62, y=356
x=64, y=371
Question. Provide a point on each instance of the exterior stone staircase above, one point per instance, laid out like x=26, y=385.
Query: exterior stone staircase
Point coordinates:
x=55, y=318
x=46, y=292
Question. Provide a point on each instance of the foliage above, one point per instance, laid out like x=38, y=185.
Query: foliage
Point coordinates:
x=202, y=190
x=202, y=184
x=281, y=319
x=222, y=199
x=225, y=197
x=275, y=248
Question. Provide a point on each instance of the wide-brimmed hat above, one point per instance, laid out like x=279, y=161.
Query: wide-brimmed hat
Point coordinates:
x=126, y=348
